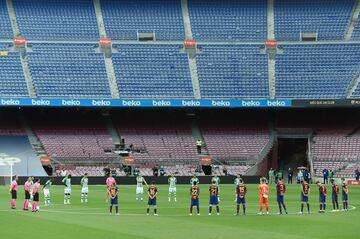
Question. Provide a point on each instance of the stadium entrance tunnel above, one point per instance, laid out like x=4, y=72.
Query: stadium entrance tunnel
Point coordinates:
x=292, y=153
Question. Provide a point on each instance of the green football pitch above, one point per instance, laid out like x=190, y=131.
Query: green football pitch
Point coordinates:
x=92, y=220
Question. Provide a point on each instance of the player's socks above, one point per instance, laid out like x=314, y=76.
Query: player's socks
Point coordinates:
x=308, y=207
x=110, y=209
x=237, y=209
x=13, y=203
x=175, y=198
x=155, y=211
x=302, y=208
x=217, y=209
x=169, y=198
x=86, y=198
x=267, y=208
x=280, y=210
x=198, y=210
x=191, y=209
x=321, y=207
x=244, y=209
x=210, y=209
x=261, y=207
x=324, y=207
x=285, y=209
x=117, y=209
x=147, y=211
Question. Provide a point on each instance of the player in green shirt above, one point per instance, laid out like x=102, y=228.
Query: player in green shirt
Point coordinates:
x=140, y=181
x=84, y=188
x=217, y=181
x=271, y=176
x=46, y=190
x=194, y=179
x=237, y=182
x=67, y=191
x=172, y=187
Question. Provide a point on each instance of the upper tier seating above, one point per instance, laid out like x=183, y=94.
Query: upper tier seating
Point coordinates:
x=68, y=70
x=56, y=20
x=12, y=80
x=228, y=20
x=316, y=71
x=328, y=18
x=227, y=71
x=152, y=71
x=5, y=26
x=125, y=18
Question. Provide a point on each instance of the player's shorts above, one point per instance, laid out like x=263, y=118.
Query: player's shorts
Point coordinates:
x=214, y=200
x=139, y=190
x=36, y=197
x=194, y=202
x=85, y=190
x=280, y=198
x=152, y=202
x=344, y=197
x=67, y=190
x=46, y=192
x=264, y=200
x=13, y=194
x=114, y=201
x=322, y=198
x=304, y=198
x=172, y=190
x=27, y=195
x=240, y=200
x=334, y=198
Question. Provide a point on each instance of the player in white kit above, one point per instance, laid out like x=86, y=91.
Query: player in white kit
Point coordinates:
x=84, y=188
x=140, y=181
x=172, y=187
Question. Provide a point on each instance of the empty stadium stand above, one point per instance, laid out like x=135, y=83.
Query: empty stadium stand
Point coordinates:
x=152, y=71
x=70, y=141
x=316, y=70
x=228, y=71
x=328, y=18
x=68, y=70
x=228, y=20
x=124, y=19
x=12, y=80
x=56, y=20
x=5, y=29
x=356, y=32
x=160, y=141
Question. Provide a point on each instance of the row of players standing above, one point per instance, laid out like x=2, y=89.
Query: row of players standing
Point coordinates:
x=32, y=193
x=32, y=189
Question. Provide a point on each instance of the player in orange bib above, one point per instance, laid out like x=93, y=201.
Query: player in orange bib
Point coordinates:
x=263, y=195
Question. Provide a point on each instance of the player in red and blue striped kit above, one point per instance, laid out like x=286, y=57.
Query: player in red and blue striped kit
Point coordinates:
x=335, y=194
x=214, y=199
x=345, y=192
x=194, y=193
x=280, y=191
x=240, y=192
x=305, y=191
x=322, y=196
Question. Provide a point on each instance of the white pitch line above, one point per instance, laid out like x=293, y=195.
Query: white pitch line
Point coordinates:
x=137, y=214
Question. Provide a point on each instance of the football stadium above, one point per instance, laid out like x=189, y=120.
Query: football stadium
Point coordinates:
x=197, y=119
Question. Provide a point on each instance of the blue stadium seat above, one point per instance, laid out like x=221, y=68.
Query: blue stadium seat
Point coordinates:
x=53, y=19
x=228, y=20
x=152, y=71
x=12, y=80
x=328, y=18
x=5, y=26
x=316, y=71
x=228, y=71
x=68, y=70
x=356, y=33
x=124, y=18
